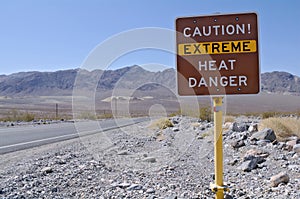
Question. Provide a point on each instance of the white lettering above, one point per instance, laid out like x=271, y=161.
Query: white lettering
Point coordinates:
x=232, y=29
x=240, y=28
x=231, y=61
x=216, y=81
x=223, y=65
x=216, y=29
x=192, y=82
x=232, y=81
x=242, y=80
x=213, y=81
x=206, y=31
x=202, y=82
x=223, y=81
x=197, y=32
x=212, y=65
x=185, y=31
x=203, y=65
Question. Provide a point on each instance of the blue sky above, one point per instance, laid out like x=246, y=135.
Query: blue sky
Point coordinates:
x=49, y=35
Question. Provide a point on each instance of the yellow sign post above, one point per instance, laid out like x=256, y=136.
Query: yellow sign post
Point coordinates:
x=218, y=187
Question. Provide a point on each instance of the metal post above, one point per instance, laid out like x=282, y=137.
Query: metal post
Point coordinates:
x=56, y=111
x=218, y=187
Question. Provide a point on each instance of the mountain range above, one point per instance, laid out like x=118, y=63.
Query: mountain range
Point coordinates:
x=133, y=77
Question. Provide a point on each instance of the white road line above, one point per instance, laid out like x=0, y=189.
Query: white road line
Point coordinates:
x=36, y=141
x=47, y=139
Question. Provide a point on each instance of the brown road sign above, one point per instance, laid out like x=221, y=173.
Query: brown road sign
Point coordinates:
x=217, y=55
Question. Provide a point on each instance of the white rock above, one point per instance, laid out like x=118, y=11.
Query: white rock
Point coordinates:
x=150, y=190
x=279, y=178
x=124, y=152
x=296, y=148
x=47, y=170
x=149, y=159
x=175, y=129
x=253, y=128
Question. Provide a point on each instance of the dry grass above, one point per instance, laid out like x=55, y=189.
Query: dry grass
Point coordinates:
x=283, y=127
x=15, y=115
x=161, y=123
x=229, y=118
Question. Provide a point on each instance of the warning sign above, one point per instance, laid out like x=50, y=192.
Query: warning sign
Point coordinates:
x=218, y=55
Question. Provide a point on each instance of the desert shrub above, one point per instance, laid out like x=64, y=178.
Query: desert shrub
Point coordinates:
x=209, y=132
x=105, y=116
x=268, y=114
x=87, y=116
x=27, y=117
x=205, y=113
x=179, y=112
x=229, y=118
x=161, y=123
x=172, y=115
x=283, y=127
x=15, y=115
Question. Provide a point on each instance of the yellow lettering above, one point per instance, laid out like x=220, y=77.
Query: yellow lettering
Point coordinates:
x=222, y=47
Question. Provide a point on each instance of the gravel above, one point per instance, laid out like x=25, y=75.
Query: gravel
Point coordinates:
x=140, y=162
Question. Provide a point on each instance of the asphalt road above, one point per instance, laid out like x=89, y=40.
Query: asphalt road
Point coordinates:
x=24, y=137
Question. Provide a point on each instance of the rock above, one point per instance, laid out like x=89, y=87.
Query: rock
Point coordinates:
x=93, y=162
x=249, y=165
x=134, y=187
x=175, y=120
x=281, y=145
x=124, y=152
x=160, y=137
x=296, y=148
x=266, y=134
x=227, y=125
x=294, y=138
x=253, y=128
x=279, y=178
x=150, y=190
x=263, y=142
x=233, y=162
x=171, y=197
x=291, y=143
x=47, y=170
x=55, y=189
x=294, y=167
x=236, y=128
x=172, y=186
x=123, y=185
x=175, y=129
x=149, y=159
x=202, y=127
x=255, y=152
x=200, y=137
x=238, y=144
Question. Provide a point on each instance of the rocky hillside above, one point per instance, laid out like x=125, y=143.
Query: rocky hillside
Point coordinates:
x=134, y=77
x=280, y=82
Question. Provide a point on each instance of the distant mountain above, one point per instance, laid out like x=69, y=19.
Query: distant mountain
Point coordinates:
x=38, y=83
x=62, y=82
x=280, y=82
x=134, y=77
